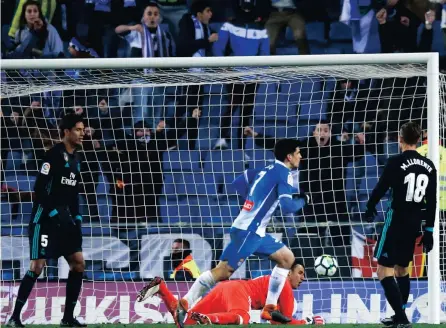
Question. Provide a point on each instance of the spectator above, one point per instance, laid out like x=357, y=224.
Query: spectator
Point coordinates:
x=48, y=12
x=246, y=37
x=35, y=38
x=195, y=40
x=398, y=30
x=147, y=40
x=352, y=102
x=360, y=16
x=286, y=13
x=182, y=265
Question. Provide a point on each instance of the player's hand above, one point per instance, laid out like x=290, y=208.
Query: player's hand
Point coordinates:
x=213, y=37
x=381, y=16
x=427, y=241
x=370, y=214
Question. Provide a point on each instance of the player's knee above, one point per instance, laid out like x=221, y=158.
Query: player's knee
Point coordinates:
x=37, y=266
x=223, y=271
x=401, y=271
x=286, y=259
x=244, y=316
x=384, y=272
x=78, y=266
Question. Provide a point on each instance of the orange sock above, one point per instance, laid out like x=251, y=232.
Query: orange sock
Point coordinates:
x=168, y=298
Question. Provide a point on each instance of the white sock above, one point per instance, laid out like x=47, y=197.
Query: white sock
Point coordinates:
x=276, y=283
x=203, y=283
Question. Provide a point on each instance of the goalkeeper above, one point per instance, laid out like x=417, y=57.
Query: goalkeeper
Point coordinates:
x=263, y=191
x=55, y=225
x=229, y=302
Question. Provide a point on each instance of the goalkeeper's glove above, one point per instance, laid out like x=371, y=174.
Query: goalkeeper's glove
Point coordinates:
x=427, y=240
x=370, y=214
x=315, y=320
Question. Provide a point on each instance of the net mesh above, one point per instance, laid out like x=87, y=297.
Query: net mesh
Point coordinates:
x=160, y=152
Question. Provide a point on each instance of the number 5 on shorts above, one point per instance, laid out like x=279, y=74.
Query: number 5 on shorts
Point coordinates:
x=44, y=240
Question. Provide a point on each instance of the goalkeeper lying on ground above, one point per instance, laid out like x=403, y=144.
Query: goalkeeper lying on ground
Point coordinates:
x=230, y=301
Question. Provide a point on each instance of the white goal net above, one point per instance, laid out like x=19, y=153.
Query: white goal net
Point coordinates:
x=161, y=148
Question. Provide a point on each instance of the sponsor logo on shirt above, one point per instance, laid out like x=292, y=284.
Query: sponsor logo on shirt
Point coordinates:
x=69, y=182
x=248, y=205
x=45, y=168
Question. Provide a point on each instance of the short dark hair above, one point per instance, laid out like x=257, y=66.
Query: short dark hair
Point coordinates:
x=284, y=147
x=198, y=6
x=411, y=133
x=151, y=4
x=68, y=122
x=186, y=244
x=296, y=263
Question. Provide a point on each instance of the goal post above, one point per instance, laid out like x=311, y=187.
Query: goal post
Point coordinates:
x=122, y=73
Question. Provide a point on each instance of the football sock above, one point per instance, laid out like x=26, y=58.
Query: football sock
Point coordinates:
x=26, y=286
x=404, y=286
x=203, y=283
x=393, y=296
x=167, y=297
x=74, y=284
x=276, y=283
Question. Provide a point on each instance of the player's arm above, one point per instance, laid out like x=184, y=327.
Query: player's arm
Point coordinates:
x=74, y=205
x=431, y=201
x=286, y=306
x=243, y=181
x=382, y=186
x=287, y=203
x=43, y=183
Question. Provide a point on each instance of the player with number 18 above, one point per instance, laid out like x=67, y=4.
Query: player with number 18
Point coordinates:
x=412, y=180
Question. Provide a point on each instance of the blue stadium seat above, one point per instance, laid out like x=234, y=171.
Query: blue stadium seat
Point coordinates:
x=260, y=158
x=224, y=161
x=21, y=182
x=5, y=212
x=177, y=184
x=178, y=211
x=13, y=161
x=340, y=32
x=182, y=160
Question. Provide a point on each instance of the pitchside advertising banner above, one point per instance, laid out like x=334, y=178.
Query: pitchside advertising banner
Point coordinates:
x=114, y=302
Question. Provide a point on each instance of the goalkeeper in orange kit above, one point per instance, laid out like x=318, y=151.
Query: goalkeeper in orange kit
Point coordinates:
x=230, y=302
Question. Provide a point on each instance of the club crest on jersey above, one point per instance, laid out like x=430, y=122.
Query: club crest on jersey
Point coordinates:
x=65, y=157
x=248, y=205
x=240, y=262
x=45, y=168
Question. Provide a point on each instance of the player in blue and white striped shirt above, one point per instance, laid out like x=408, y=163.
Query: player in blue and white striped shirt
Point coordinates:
x=263, y=190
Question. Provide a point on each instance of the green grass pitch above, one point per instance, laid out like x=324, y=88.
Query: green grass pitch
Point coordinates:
x=160, y=325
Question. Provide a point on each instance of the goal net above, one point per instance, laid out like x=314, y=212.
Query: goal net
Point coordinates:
x=161, y=148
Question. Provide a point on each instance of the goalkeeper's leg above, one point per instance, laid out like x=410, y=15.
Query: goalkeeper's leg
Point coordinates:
x=157, y=286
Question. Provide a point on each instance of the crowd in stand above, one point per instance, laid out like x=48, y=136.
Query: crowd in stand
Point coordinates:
x=128, y=130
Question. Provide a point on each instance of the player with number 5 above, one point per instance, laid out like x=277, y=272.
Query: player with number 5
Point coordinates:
x=263, y=190
x=55, y=226
x=412, y=180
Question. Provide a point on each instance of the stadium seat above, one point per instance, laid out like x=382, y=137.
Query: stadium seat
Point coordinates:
x=21, y=182
x=260, y=158
x=182, y=161
x=190, y=184
x=5, y=212
x=224, y=161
